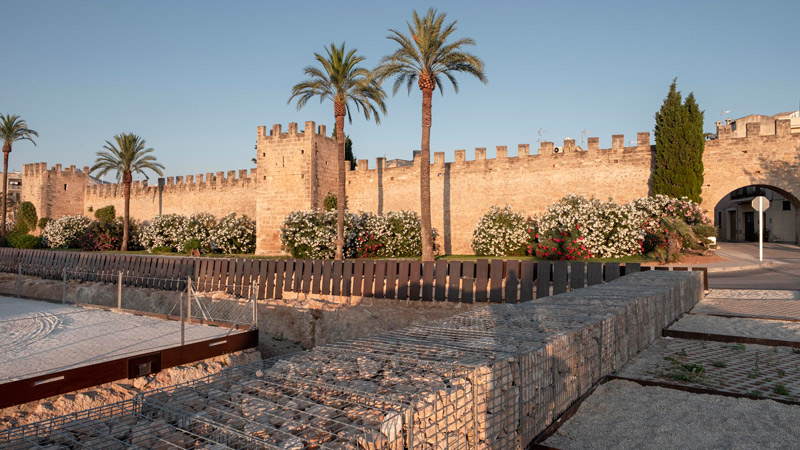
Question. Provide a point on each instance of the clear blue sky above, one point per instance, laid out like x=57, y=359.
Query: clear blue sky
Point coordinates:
x=195, y=78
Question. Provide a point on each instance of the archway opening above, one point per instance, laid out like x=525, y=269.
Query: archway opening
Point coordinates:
x=737, y=221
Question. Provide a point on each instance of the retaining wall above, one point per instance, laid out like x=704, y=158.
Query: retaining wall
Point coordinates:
x=493, y=377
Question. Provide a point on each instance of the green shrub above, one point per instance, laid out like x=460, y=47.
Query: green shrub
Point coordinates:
x=330, y=203
x=102, y=236
x=395, y=234
x=65, y=232
x=161, y=250
x=191, y=245
x=43, y=222
x=501, y=232
x=106, y=214
x=565, y=244
x=19, y=240
x=26, y=216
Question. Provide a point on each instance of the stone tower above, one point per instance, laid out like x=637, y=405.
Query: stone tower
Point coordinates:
x=295, y=172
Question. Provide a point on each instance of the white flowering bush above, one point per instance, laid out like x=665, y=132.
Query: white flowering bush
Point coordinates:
x=312, y=234
x=169, y=230
x=502, y=232
x=233, y=234
x=200, y=226
x=65, y=232
x=395, y=234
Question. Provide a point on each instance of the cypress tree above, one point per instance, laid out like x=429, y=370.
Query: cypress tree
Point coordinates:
x=678, y=168
x=696, y=145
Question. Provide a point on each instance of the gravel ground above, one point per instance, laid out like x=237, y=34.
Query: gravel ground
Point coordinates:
x=733, y=326
x=40, y=337
x=624, y=415
x=754, y=294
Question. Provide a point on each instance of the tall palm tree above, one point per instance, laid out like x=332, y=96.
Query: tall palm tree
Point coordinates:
x=342, y=81
x=12, y=129
x=425, y=56
x=129, y=155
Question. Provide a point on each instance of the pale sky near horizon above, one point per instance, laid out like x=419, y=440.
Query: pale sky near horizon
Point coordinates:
x=195, y=78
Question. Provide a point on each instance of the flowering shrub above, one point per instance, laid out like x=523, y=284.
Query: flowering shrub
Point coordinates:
x=395, y=234
x=200, y=226
x=501, y=232
x=168, y=230
x=234, y=234
x=102, y=236
x=312, y=234
x=563, y=244
x=65, y=232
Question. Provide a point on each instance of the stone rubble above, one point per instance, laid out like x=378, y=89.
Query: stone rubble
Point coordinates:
x=490, y=378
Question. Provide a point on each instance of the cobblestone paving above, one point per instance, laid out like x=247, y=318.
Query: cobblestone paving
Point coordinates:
x=767, y=308
x=755, y=370
x=753, y=294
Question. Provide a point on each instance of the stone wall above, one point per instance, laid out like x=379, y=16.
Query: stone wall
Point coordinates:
x=55, y=192
x=217, y=193
x=770, y=159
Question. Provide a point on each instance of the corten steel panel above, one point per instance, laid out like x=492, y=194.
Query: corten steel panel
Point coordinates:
x=246, y=279
x=632, y=268
x=209, y=276
x=336, y=289
x=271, y=289
x=441, y=280
x=327, y=267
x=216, y=274
x=402, y=280
x=482, y=280
x=661, y=268
x=577, y=275
x=307, y=268
x=391, y=279
x=37, y=388
x=543, y=279
x=611, y=271
x=200, y=275
x=454, y=281
x=280, y=270
x=262, y=279
x=415, y=274
x=289, y=274
x=527, y=275
x=369, y=278
x=316, y=279
x=467, y=290
x=594, y=273
x=380, y=274
x=496, y=281
x=512, y=281
x=427, y=281
x=297, y=282
x=358, y=277
x=347, y=278
x=559, y=277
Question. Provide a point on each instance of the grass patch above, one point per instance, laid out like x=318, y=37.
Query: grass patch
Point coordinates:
x=780, y=389
x=781, y=373
x=756, y=393
x=691, y=373
x=737, y=347
x=719, y=364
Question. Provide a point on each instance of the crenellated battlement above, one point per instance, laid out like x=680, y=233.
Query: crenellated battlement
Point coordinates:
x=177, y=184
x=276, y=132
x=41, y=168
x=757, y=126
x=547, y=151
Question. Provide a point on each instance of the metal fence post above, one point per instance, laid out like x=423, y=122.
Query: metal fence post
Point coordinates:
x=189, y=296
x=255, y=307
x=183, y=320
x=119, y=291
x=19, y=280
x=64, y=285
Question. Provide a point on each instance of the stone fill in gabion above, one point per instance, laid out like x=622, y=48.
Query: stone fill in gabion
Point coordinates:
x=490, y=378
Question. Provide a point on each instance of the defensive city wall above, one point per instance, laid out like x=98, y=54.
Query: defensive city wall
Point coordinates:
x=297, y=169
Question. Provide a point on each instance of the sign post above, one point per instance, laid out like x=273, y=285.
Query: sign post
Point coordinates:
x=760, y=203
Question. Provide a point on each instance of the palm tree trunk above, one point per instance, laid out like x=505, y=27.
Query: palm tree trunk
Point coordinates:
x=6, y=151
x=425, y=176
x=339, y=110
x=126, y=182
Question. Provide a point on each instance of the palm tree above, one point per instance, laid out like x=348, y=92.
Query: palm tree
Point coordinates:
x=12, y=129
x=342, y=81
x=425, y=56
x=129, y=155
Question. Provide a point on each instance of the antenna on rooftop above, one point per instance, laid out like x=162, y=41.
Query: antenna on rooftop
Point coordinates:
x=722, y=114
x=540, y=133
x=583, y=135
